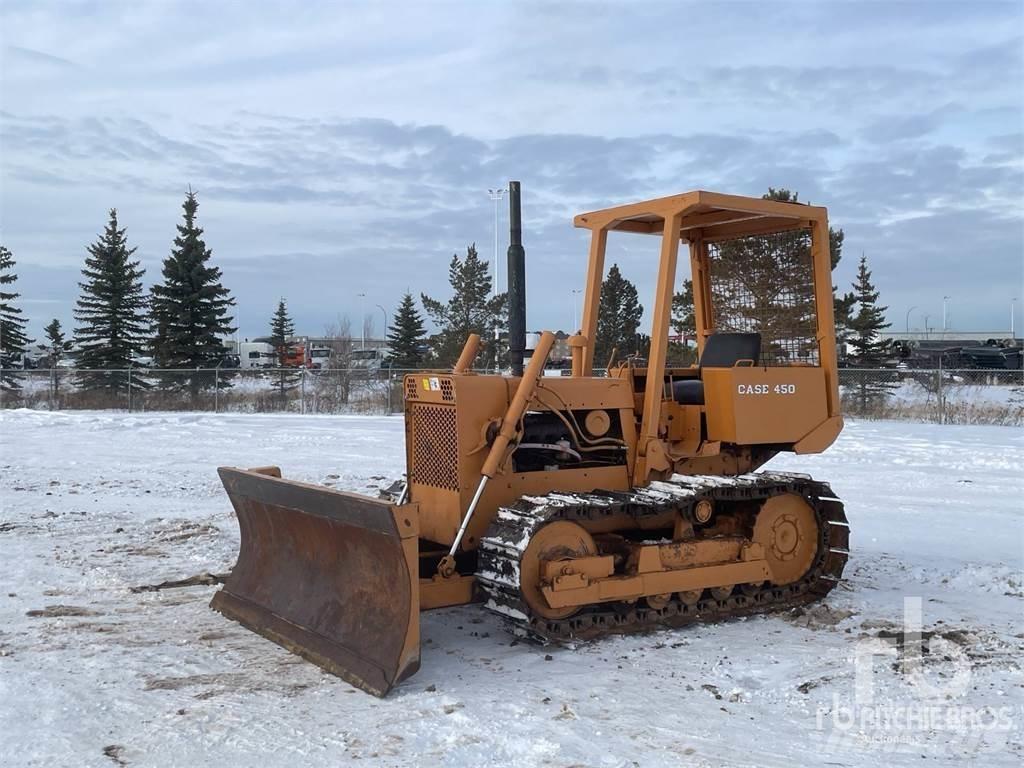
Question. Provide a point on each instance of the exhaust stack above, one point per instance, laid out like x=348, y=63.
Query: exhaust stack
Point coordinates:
x=516, y=282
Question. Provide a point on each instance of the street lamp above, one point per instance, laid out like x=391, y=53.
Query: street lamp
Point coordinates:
x=945, y=326
x=575, y=312
x=1013, y=306
x=908, y=318
x=495, y=195
x=362, y=319
x=385, y=313
x=926, y=330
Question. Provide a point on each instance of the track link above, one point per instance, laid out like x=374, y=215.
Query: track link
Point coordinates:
x=501, y=551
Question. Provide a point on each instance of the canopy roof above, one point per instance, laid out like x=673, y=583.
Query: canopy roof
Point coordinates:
x=716, y=215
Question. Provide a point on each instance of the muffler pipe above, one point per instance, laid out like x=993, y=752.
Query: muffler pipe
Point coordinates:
x=516, y=282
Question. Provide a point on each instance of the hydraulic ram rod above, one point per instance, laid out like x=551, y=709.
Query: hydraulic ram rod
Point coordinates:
x=508, y=432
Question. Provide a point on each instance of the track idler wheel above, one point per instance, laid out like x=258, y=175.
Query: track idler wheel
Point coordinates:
x=555, y=541
x=787, y=529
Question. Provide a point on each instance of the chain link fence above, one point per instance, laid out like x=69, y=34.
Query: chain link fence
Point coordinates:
x=968, y=396
x=945, y=396
x=253, y=390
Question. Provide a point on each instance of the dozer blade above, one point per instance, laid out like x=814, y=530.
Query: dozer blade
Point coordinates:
x=328, y=575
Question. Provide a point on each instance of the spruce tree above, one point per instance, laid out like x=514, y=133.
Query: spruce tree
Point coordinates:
x=13, y=339
x=868, y=349
x=684, y=323
x=111, y=312
x=56, y=346
x=282, y=329
x=190, y=306
x=471, y=309
x=869, y=321
x=618, y=318
x=407, y=335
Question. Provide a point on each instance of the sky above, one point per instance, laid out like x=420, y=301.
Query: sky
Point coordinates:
x=346, y=148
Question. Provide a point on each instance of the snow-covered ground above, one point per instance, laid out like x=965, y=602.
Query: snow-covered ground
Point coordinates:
x=92, y=673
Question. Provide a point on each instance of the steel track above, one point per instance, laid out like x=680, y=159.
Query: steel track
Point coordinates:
x=501, y=551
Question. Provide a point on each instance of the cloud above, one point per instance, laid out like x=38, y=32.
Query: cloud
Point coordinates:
x=17, y=55
x=341, y=149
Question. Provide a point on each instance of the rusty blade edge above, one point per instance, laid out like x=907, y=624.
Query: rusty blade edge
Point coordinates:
x=326, y=654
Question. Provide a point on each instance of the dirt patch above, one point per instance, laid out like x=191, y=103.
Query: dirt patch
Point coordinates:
x=810, y=685
x=184, y=531
x=980, y=646
x=143, y=550
x=53, y=611
x=818, y=616
x=115, y=752
x=224, y=682
x=229, y=679
x=204, y=579
x=215, y=635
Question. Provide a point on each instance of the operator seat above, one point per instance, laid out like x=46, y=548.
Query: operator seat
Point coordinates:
x=721, y=350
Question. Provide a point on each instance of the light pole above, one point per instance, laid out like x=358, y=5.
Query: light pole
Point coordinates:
x=926, y=325
x=385, y=313
x=575, y=312
x=908, y=318
x=496, y=195
x=362, y=319
x=1013, y=306
x=945, y=326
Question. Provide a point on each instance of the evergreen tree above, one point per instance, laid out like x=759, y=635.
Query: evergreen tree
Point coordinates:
x=12, y=325
x=282, y=329
x=111, y=312
x=618, y=318
x=868, y=349
x=56, y=346
x=190, y=306
x=843, y=308
x=684, y=324
x=407, y=335
x=471, y=309
x=866, y=325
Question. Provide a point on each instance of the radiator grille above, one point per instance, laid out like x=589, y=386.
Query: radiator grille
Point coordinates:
x=435, y=448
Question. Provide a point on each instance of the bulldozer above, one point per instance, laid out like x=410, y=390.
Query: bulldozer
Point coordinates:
x=621, y=500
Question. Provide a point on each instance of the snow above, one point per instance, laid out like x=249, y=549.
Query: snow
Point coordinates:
x=92, y=504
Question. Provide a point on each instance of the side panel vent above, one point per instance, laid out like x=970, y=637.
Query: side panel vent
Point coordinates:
x=447, y=391
x=435, y=449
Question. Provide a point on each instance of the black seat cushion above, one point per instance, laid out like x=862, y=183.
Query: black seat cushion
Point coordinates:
x=688, y=391
x=721, y=350
x=724, y=350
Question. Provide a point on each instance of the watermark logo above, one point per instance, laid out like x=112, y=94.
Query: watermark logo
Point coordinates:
x=926, y=712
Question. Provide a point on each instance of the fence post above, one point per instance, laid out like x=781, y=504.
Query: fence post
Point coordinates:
x=942, y=398
x=391, y=390
x=129, y=387
x=302, y=391
x=216, y=388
